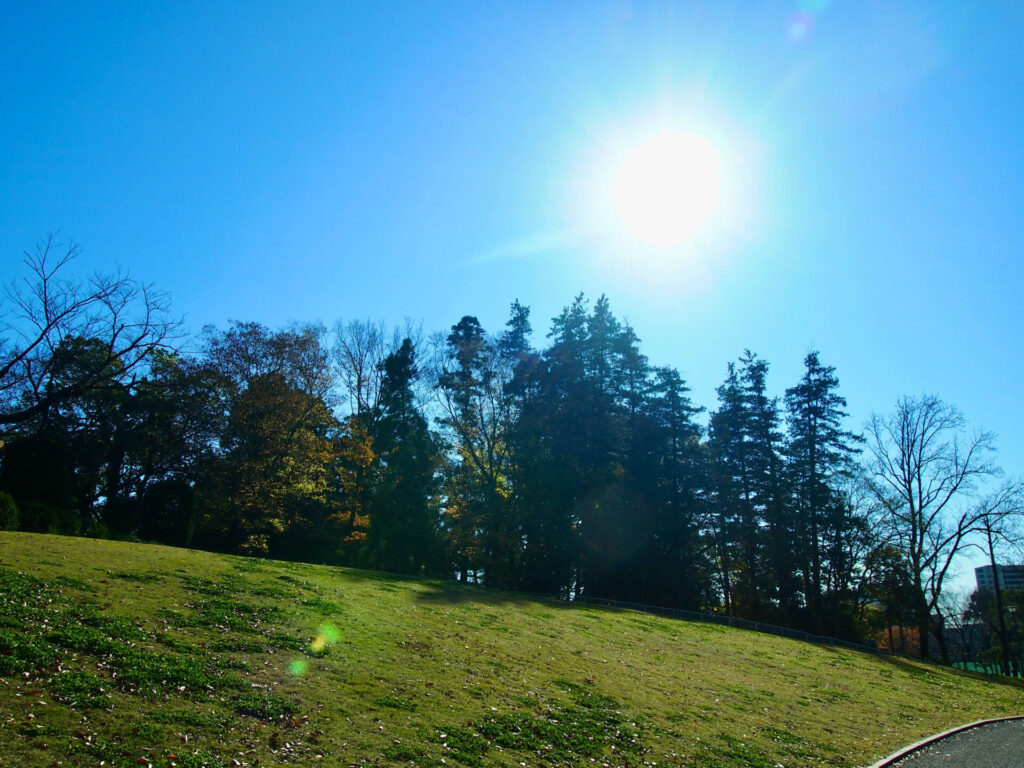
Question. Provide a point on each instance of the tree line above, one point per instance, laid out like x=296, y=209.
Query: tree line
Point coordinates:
x=576, y=468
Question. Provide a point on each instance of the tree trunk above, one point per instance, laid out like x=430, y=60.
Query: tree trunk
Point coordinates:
x=923, y=619
x=1003, y=643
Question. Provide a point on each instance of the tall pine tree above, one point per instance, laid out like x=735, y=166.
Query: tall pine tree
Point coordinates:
x=403, y=535
x=820, y=452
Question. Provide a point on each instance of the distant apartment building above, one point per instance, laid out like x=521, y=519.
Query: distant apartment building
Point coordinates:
x=1010, y=576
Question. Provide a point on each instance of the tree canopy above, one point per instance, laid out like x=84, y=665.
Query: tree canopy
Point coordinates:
x=576, y=468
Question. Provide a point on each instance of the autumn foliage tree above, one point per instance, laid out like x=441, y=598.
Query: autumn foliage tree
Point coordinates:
x=267, y=492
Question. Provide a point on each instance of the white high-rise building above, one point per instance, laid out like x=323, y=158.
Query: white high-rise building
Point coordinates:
x=1010, y=576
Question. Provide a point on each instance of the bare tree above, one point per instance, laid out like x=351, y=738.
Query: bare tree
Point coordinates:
x=954, y=606
x=999, y=517
x=924, y=466
x=359, y=350
x=44, y=311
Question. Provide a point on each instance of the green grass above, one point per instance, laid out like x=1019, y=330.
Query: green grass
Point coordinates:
x=128, y=654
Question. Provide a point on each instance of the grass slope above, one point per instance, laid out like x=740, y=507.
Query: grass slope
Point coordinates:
x=128, y=654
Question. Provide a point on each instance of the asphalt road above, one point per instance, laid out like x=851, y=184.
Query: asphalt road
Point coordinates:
x=999, y=745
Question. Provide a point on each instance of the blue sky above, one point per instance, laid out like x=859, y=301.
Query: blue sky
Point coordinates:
x=304, y=161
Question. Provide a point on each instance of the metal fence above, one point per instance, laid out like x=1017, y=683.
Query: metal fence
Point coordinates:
x=730, y=621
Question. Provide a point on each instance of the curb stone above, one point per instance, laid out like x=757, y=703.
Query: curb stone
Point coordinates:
x=906, y=751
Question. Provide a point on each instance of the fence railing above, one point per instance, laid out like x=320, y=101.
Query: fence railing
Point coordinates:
x=731, y=621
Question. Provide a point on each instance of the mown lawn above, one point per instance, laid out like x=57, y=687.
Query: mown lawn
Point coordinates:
x=121, y=654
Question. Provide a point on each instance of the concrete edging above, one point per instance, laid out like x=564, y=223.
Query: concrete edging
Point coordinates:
x=906, y=751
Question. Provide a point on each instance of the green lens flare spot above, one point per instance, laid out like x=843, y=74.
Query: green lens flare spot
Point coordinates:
x=329, y=633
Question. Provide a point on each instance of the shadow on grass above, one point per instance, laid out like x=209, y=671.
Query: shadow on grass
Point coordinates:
x=455, y=593
x=379, y=576
x=921, y=667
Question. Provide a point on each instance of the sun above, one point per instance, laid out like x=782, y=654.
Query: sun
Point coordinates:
x=667, y=188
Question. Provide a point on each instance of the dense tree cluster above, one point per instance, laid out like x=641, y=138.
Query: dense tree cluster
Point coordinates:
x=578, y=469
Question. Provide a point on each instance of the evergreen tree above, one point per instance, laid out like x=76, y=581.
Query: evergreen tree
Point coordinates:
x=546, y=472
x=749, y=522
x=403, y=535
x=476, y=415
x=606, y=467
x=820, y=453
x=678, y=567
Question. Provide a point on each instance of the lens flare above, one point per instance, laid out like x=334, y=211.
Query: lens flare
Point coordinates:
x=329, y=633
x=321, y=643
x=800, y=26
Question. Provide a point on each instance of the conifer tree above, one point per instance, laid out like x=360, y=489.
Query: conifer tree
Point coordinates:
x=403, y=534
x=679, y=576
x=476, y=416
x=749, y=521
x=820, y=453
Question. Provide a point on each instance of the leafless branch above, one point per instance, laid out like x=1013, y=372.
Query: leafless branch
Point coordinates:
x=43, y=311
x=924, y=466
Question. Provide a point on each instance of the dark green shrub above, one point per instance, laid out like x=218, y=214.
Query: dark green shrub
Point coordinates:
x=98, y=530
x=8, y=513
x=46, y=518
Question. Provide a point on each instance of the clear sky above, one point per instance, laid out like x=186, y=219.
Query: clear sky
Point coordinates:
x=316, y=161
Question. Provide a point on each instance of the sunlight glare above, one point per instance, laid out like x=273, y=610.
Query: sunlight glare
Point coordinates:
x=667, y=188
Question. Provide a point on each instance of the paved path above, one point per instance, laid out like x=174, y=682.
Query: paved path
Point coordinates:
x=998, y=745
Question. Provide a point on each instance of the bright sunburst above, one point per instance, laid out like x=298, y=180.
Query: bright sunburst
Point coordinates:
x=667, y=188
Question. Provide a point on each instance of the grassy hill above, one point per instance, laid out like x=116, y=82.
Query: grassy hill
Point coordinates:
x=122, y=654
